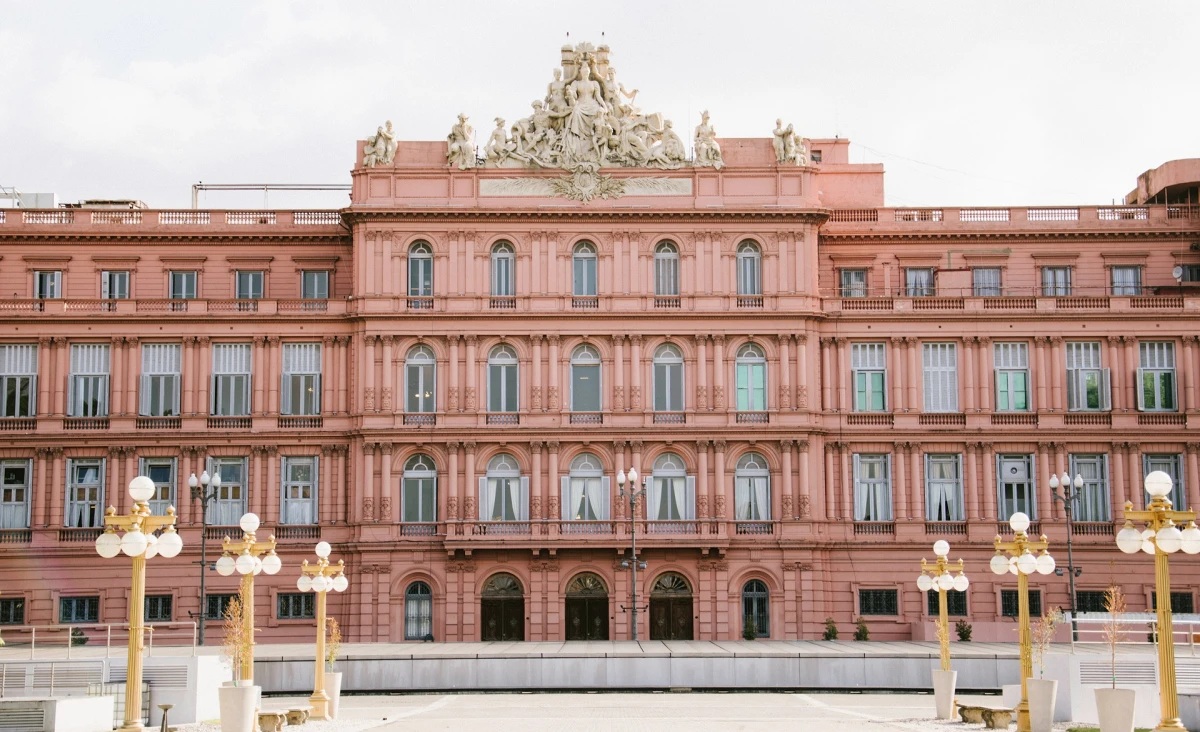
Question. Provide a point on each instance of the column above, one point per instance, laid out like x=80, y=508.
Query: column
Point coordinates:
x=701, y=374
x=784, y=400
x=971, y=486
x=451, y=498
x=470, y=489
x=61, y=374
x=788, y=504
x=369, y=373
x=830, y=501
x=847, y=507
x=538, y=497
x=343, y=453
x=986, y=362
x=1044, y=467
x=536, y=400
x=552, y=500
x=113, y=495
x=1113, y=361
x=1043, y=375
x=133, y=369
x=990, y=500
x=116, y=379
x=388, y=377
x=272, y=485
x=327, y=380
x=344, y=374
x=1189, y=372
x=802, y=366
x=969, y=386
x=325, y=488
x=204, y=373
x=636, y=447
x=895, y=375
x=187, y=396
x=452, y=402
x=618, y=503
x=1131, y=365
x=900, y=481
x=843, y=374
x=555, y=402
x=913, y=374
x=703, y=495
x=1057, y=373
x=1137, y=495
x=389, y=495
x=274, y=358
x=469, y=402
x=723, y=494
x=619, y=403
x=258, y=376
x=1119, y=489
x=826, y=374
x=916, y=486
x=45, y=377
x=366, y=482
x=40, y=504
x=635, y=374
x=718, y=400
x=1193, y=474
x=804, y=500
x=58, y=513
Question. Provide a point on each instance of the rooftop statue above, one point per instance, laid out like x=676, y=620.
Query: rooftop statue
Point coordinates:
x=708, y=151
x=380, y=148
x=789, y=147
x=460, y=145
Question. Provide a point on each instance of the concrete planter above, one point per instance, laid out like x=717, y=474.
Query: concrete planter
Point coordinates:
x=1042, y=694
x=943, y=692
x=239, y=705
x=333, y=689
x=1115, y=709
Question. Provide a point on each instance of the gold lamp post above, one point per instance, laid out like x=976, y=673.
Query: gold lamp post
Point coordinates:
x=1022, y=562
x=321, y=578
x=1161, y=538
x=248, y=563
x=140, y=543
x=937, y=576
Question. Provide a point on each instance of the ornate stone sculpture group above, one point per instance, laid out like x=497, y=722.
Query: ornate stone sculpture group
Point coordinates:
x=789, y=147
x=380, y=148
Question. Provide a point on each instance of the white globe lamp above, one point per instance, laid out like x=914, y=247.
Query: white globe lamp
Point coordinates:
x=170, y=544
x=249, y=523
x=141, y=489
x=340, y=583
x=924, y=583
x=225, y=565
x=323, y=549
x=961, y=583
x=304, y=584
x=1190, y=539
x=108, y=544
x=1027, y=563
x=1045, y=563
x=271, y=563
x=1158, y=484
x=1129, y=539
x=941, y=547
x=1169, y=539
x=999, y=564
x=244, y=564
x=945, y=582
x=1019, y=522
x=133, y=544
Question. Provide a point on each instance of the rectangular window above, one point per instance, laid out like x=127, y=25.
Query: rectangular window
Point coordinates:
x=502, y=387
x=666, y=271
x=918, y=282
x=47, y=285
x=1056, y=281
x=89, y=380
x=1093, y=502
x=1009, y=607
x=249, y=285
x=230, y=504
x=299, y=490
x=585, y=498
x=85, y=493
x=231, y=379
x=12, y=611
x=297, y=605
x=668, y=387
x=751, y=386
x=301, y=387
x=671, y=497
x=854, y=282
x=1156, y=377
x=1012, y=377
x=1126, y=280
x=183, y=285
x=583, y=279
x=14, y=493
x=868, y=361
x=18, y=379
x=162, y=472
x=79, y=609
x=752, y=496
x=215, y=606
x=585, y=387
x=872, y=487
x=114, y=285
x=158, y=608
x=419, y=374
x=956, y=604
x=1172, y=465
x=1181, y=602
x=503, y=277
x=940, y=377
x=504, y=498
x=419, y=496
x=1191, y=273
x=986, y=281
x=943, y=488
x=1089, y=601
x=314, y=285
x=1089, y=387
x=878, y=602
x=1016, y=486
x=160, y=380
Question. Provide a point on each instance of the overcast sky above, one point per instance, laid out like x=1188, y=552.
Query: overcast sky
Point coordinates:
x=1023, y=103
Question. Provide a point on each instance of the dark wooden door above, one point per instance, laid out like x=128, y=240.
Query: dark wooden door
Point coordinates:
x=670, y=618
x=587, y=618
x=503, y=618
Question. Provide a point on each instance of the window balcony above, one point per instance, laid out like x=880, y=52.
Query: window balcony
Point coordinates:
x=946, y=528
x=420, y=419
x=418, y=529
x=220, y=532
x=757, y=528
x=159, y=423
x=1034, y=530
x=585, y=303
x=504, y=418
x=79, y=534
x=502, y=303
x=308, y=305
x=1088, y=419
x=233, y=306
x=752, y=418
x=285, y=533
x=879, y=528
x=420, y=303
x=251, y=218
x=1092, y=528
x=1161, y=419
x=871, y=419
x=587, y=418
x=501, y=528
x=669, y=418
x=85, y=423
x=230, y=423
x=16, y=536
x=943, y=419
x=1015, y=419
x=670, y=303
x=586, y=528
x=672, y=527
x=749, y=301
x=18, y=424
x=299, y=422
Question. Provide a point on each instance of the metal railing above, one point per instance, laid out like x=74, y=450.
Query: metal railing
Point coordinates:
x=45, y=639
x=1134, y=628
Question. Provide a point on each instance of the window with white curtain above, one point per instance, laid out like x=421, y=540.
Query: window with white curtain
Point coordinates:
x=503, y=270
x=1056, y=281
x=419, y=380
x=585, y=379
x=585, y=490
x=89, y=380
x=300, y=392
x=418, y=491
x=15, y=487
x=85, y=493
x=420, y=270
x=1126, y=280
x=1172, y=465
x=943, y=487
x=160, y=379
x=114, y=285
x=1012, y=376
x=751, y=371
x=752, y=488
x=749, y=264
x=298, y=476
x=503, y=492
x=1156, y=376
x=868, y=365
x=47, y=285
x=1092, y=503
x=1089, y=387
x=161, y=471
x=986, y=281
x=502, y=379
x=671, y=492
x=854, y=282
x=940, y=377
x=666, y=270
x=1016, y=486
x=668, y=379
x=231, y=379
x=918, y=282
x=230, y=503
x=872, y=487
x=18, y=379
x=583, y=270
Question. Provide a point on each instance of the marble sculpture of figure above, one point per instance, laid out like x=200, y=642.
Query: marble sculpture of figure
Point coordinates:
x=789, y=146
x=499, y=147
x=381, y=147
x=579, y=127
x=460, y=146
x=777, y=141
x=668, y=152
x=708, y=151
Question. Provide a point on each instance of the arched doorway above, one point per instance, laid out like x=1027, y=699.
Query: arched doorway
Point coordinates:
x=671, y=608
x=587, y=608
x=502, y=609
x=756, y=609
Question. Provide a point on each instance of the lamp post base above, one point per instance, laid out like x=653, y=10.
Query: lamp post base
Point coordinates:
x=1023, y=716
x=320, y=706
x=1170, y=725
x=132, y=727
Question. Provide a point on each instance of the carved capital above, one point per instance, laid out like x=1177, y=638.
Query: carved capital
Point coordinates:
x=719, y=445
x=636, y=339
x=386, y=447
x=635, y=445
x=472, y=340
x=801, y=338
x=554, y=339
x=801, y=445
x=469, y=446
x=1193, y=447
x=389, y=340
x=552, y=446
x=1056, y=340
x=536, y=447
x=718, y=339
x=703, y=445
x=786, y=446
x=368, y=448
x=273, y=340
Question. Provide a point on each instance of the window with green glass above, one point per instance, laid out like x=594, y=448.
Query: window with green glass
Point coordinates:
x=1012, y=377
x=751, y=379
x=868, y=362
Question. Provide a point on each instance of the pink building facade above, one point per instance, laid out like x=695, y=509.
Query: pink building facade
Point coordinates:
x=443, y=379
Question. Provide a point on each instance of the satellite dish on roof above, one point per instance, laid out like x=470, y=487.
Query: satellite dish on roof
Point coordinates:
x=1177, y=272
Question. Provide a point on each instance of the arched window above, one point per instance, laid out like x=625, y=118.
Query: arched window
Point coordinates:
x=583, y=267
x=672, y=492
x=420, y=270
x=418, y=490
x=502, y=379
x=587, y=584
x=751, y=379
x=668, y=379
x=418, y=612
x=419, y=385
x=670, y=583
x=585, y=379
x=756, y=616
x=504, y=274
x=585, y=490
x=503, y=493
x=749, y=269
x=752, y=488
x=502, y=584
x=666, y=270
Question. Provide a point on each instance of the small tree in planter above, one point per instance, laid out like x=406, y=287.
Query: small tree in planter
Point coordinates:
x=861, y=631
x=1114, y=706
x=333, y=678
x=239, y=700
x=1042, y=636
x=749, y=629
x=236, y=645
x=831, y=631
x=963, y=629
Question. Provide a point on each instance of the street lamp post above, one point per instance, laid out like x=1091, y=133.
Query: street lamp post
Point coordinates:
x=321, y=578
x=1070, y=492
x=632, y=494
x=204, y=489
x=248, y=563
x=1161, y=538
x=140, y=543
x=1022, y=562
